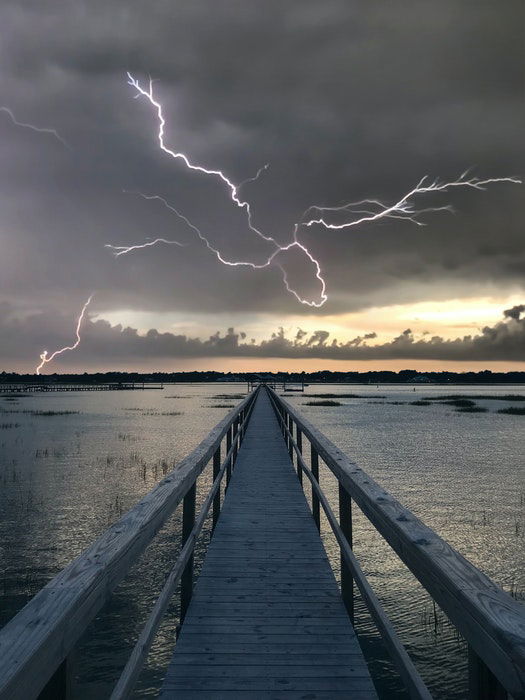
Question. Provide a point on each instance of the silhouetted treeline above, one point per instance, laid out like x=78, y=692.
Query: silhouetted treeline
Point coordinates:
x=380, y=377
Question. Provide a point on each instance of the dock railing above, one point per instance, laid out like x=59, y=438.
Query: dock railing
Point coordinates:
x=36, y=643
x=490, y=620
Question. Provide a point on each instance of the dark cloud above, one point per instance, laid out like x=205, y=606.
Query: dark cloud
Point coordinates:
x=344, y=98
x=104, y=344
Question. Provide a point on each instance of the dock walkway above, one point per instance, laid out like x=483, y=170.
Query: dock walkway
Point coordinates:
x=266, y=619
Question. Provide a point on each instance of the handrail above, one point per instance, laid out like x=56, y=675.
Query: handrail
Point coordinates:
x=491, y=621
x=140, y=651
x=35, y=642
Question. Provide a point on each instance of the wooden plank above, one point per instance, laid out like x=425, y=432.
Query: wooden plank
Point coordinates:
x=315, y=658
x=266, y=617
x=210, y=694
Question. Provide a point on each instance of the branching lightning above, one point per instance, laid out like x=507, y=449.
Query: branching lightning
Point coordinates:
x=364, y=211
x=38, y=129
x=47, y=358
x=404, y=208
x=123, y=249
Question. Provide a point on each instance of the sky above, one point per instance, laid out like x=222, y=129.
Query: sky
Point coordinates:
x=344, y=101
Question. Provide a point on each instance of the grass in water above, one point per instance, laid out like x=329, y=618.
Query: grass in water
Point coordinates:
x=343, y=396
x=322, y=403
x=420, y=403
x=231, y=397
x=471, y=409
x=480, y=397
x=459, y=403
x=221, y=405
x=513, y=411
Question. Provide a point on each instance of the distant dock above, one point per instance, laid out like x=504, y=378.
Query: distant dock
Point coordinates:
x=38, y=388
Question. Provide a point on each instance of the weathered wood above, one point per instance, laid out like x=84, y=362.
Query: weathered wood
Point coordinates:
x=299, y=440
x=217, y=499
x=228, y=448
x=482, y=683
x=58, y=686
x=36, y=641
x=314, y=462
x=345, y=522
x=408, y=672
x=251, y=598
x=290, y=437
x=141, y=649
x=188, y=522
x=489, y=619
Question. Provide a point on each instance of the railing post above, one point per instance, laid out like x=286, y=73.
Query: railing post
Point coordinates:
x=58, y=686
x=228, y=447
x=299, y=440
x=241, y=423
x=314, y=463
x=290, y=437
x=217, y=499
x=482, y=683
x=345, y=522
x=188, y=521
x=235, y=441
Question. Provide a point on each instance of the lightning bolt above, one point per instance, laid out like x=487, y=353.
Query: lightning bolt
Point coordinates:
x=404, y=208
x=234, y=194
x=363, y=211
x=123, y=250
x=38, y=129
x=44, y=356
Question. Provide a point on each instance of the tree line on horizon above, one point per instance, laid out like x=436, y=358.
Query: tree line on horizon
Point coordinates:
x=328, y=376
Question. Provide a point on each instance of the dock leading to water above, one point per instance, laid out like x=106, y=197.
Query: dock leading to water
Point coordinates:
x=265, y=618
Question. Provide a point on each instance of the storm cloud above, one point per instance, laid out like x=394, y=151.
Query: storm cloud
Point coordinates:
x=104, y=344
x=344, y=99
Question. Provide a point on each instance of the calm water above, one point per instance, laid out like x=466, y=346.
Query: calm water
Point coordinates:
x=65, y=478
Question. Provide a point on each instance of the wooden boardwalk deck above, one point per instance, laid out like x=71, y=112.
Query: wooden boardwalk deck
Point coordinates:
x=266, y=619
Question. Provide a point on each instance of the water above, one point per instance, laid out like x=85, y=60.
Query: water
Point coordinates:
x=65, y=478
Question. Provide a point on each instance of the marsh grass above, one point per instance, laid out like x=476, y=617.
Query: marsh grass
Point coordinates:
x=220, y=405
x=343, y=396
x=480, y=397
x=322, y=403
x=459, y=403
x=420, y=403
x=149, y=412
x=513, y=410
x=6, y=426
x=232, y=397
x=471, y=409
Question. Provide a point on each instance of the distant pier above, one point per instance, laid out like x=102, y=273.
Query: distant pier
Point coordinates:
x=34, y=388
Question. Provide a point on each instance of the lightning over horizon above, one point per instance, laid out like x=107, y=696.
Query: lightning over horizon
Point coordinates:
x=44, y=356
x=363, y=211
x=33, y=127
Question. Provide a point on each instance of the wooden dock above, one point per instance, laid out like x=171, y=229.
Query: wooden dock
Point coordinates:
x=266, y=619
